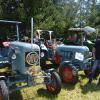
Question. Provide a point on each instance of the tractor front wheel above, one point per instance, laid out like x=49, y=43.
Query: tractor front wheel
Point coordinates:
x=54, y=83
x=3, y=91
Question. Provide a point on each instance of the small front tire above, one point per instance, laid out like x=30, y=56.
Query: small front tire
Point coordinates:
x=3, y=91
x=54, y=85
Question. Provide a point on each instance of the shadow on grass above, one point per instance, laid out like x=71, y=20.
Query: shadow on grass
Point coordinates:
x=90, y=87
x=44, y=93
x=16, y=95
x=68, y=86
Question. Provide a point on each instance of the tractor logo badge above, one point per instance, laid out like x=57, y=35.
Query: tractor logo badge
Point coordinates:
x=32, y=58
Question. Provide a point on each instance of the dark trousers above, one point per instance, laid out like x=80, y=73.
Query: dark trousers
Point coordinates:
x=95, y=66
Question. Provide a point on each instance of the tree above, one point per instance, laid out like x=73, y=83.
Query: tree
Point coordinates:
x=56, y=15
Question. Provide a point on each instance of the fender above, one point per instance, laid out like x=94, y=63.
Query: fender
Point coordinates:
x=2, y=78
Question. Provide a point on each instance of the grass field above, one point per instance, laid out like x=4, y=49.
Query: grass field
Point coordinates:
x=79, y=91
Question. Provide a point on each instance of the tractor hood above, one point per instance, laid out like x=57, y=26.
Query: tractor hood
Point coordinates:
x=24, y=45
x=72, y=48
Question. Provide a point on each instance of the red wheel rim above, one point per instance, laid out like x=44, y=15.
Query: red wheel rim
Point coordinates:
x=52, y=86
x=67, y=74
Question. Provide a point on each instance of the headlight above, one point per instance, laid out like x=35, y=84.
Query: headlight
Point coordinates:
x=13, y=56
x=42, y=54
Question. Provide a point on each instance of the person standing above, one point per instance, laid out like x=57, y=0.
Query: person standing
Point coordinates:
x=49, y=45
x=96, y=57
x=36, y=39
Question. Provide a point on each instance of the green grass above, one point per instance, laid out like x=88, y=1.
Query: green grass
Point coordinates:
x=79, y=91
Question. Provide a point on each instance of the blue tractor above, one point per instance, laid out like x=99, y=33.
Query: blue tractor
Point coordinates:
x=73, y=56
x=24, y=67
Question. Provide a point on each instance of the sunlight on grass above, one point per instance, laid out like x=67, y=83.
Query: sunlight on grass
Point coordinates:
x=79, y=91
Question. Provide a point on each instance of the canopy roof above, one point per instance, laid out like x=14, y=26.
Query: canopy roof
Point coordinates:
x=76, y=29
x=86, y=29
x=12, y=22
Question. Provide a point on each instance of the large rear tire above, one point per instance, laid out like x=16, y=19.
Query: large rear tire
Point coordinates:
x=3, y=91
x=54, y=85
x=68, y=74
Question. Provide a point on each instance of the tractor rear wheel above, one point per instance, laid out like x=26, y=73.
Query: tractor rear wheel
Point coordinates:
x=67, y=74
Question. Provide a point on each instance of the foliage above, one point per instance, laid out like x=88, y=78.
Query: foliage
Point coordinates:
x=56, y=15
